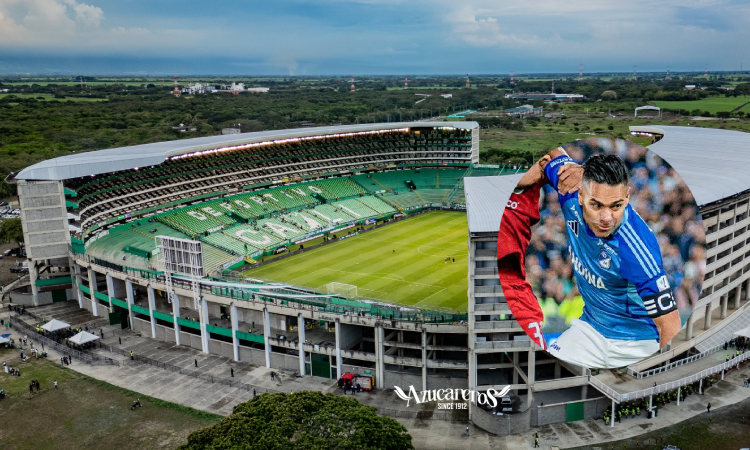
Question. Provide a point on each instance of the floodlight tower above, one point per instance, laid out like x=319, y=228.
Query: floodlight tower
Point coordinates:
x=511, y=77
x=352, y=81
x=667, y=77
x=176, y=86
x=635, y=78
x=580, y=73
x=468, y=85
x=705, y=74
x=406, y=82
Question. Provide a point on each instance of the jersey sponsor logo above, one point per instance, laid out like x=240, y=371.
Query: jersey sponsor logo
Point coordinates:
x=511, y=204
x=573, y=225
x=554, y=347
x=585, y=273
x=662, y=283
x=605, y=261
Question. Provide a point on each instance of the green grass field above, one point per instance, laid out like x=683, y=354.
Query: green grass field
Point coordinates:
x=84, y=412
x=712, y=105
x=416, y=275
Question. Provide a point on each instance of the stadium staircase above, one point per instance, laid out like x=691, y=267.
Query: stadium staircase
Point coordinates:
x=725, y=333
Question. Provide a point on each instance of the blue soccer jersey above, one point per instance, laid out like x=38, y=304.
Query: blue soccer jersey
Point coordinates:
x=621, y=277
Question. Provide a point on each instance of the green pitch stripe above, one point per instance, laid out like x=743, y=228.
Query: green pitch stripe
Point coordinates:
x=415, y=275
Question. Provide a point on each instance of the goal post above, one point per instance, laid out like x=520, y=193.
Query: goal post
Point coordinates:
x=347, y=291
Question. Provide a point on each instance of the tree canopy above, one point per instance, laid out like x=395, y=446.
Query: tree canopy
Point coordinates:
x=302, y=420
x=11, y=231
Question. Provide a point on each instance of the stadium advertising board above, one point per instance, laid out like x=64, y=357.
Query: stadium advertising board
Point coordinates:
x=371, y=221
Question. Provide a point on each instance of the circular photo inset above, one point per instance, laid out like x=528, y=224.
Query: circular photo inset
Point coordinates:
x=601, y=253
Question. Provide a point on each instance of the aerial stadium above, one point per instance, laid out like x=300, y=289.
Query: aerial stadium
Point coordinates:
x=366, y=249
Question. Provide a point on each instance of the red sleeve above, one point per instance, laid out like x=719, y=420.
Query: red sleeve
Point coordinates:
x=514, y=235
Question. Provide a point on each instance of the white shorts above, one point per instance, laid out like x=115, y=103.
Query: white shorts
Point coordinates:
x=583, y=346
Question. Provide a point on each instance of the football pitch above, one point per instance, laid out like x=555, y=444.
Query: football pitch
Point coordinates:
x=416, y=274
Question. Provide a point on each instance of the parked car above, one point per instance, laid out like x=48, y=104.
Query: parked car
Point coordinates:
x=506, y=405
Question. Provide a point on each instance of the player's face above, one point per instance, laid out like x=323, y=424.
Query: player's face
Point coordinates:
x=603, y=206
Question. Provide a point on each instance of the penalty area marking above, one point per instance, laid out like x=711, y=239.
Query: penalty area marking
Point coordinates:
x=425, y=299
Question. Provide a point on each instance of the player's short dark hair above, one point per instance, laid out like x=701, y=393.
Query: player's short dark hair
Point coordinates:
x=605, y=169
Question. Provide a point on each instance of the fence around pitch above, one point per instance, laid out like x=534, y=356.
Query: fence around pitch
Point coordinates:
x=374, y=310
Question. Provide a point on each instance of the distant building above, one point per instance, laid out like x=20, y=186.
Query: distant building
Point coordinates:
x=523, y=111
x=236, y=88
x=306, y=124
x=689, y=87
x=557, y=98
x=231, y=131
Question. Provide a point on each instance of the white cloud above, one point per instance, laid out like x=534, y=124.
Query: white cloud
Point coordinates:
x=87, y=15
x=481, y=32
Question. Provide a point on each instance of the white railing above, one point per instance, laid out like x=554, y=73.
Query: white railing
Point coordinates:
x=670, y=366
x=666, y=387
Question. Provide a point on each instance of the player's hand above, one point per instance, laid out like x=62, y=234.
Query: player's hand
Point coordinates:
x=570, y=177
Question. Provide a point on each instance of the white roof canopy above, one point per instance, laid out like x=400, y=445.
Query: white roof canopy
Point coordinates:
x=83, y=337
x=54, y=325
x=743, y=332
x=4, y=340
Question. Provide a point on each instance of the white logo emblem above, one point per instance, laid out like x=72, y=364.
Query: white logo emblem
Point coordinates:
x=605, y=260
x=662, y=283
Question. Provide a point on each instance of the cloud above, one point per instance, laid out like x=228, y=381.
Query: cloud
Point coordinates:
x=87, y=15
x=481, y=32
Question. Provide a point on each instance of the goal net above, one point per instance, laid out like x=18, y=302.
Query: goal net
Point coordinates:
x=342, y=289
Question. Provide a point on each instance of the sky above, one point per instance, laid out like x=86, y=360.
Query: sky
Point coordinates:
x=371, y=37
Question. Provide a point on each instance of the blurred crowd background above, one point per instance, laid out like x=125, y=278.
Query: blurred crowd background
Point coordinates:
x=662, y=199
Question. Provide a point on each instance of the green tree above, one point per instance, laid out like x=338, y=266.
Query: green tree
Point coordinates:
x=11, y=231
x=302, y=420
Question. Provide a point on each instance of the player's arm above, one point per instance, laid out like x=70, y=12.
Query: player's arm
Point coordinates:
x=668, y=325
x=642, y=266
x=563, y=173
x=536, y=173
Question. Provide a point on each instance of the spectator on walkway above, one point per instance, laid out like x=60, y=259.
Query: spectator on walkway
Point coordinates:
x=536, y=440
x=55, y=384
x=708, y=408
x=131, y=355
x=467, y=430
x=196, y=363
x=272, y=376
x=253, y=392
x=231, y=370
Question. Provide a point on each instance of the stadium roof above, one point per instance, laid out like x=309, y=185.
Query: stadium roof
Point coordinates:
x=486, y=198
x=715, y=164
x=125, y=158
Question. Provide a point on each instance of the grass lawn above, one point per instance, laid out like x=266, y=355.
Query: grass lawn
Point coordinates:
x=712, y=105
x=416, y=275
x=85, y=410
x=727, y=428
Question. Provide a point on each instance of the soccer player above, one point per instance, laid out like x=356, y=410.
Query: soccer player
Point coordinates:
x=629, y=310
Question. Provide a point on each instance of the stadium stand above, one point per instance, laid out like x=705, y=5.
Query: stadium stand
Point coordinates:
x=404, y=200
x=178, y=180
